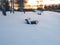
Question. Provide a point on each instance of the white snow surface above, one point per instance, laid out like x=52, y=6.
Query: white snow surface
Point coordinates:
x=14, y=30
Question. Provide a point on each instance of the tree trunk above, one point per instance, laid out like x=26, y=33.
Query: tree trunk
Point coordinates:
x=4, y=7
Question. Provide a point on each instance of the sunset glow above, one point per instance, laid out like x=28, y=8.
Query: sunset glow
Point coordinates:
x=34, y=4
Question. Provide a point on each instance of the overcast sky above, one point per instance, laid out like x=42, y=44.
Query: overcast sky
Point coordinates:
x=51, y=1
x=33, y=2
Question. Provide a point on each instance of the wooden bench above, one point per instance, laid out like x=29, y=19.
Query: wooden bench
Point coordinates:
x=31, y=22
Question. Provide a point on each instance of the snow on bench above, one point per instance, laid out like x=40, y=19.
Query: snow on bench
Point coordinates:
x=29, y=21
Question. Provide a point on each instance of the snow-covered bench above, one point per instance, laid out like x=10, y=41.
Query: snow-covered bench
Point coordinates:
x=28, y=21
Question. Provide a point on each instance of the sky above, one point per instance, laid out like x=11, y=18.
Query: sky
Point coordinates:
x=51, y=1
x=33, y=2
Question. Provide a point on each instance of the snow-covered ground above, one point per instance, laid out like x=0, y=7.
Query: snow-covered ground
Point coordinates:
x=14, y=30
